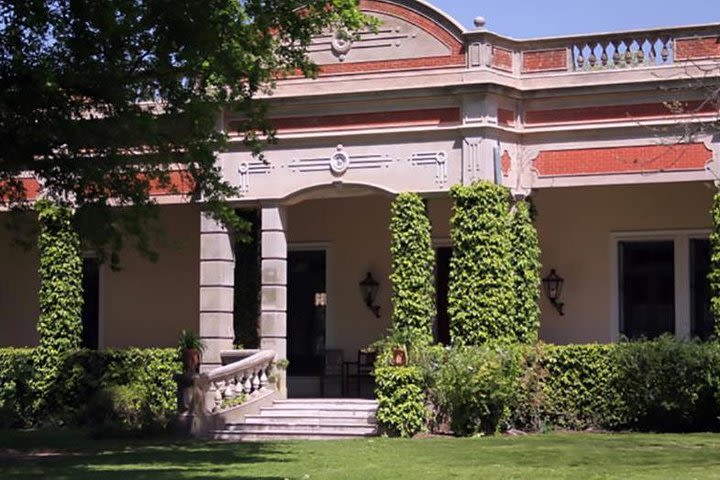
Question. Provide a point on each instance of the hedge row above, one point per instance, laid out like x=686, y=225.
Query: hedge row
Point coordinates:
x=133, y=389
x=659, y=385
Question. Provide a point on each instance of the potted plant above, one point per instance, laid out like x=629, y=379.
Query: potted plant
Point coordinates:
x=191, y=347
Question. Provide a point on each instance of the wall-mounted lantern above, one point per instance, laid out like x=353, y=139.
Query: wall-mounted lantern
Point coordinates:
x=369, y=290
x=553, y=285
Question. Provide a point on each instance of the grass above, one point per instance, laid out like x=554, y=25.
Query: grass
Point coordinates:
x=61, y=455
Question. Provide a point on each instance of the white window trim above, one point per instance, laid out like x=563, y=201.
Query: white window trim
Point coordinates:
x=681, y=241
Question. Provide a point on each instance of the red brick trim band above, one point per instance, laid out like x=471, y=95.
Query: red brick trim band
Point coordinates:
x=356, y=121
x=616, y=112
x=502, y=59
x=544, y=60
x=640, y=159
x=697, y=48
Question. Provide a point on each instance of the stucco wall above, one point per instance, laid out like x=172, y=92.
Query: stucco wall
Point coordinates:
x=143, y=305
x=575, y=224
x=148, y=304
x=19, y=284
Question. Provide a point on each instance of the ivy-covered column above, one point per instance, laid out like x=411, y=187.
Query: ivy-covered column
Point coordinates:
x=60, y=296
x=480, y=295
x=273, y=290
x=217, y=278
x=714, y=276
x=413, y=264
x=526, y=265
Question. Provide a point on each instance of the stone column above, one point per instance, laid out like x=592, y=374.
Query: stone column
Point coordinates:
x=217, y=279
x=273, y=303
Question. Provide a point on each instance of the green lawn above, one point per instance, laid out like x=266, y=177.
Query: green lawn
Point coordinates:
x=25, y=455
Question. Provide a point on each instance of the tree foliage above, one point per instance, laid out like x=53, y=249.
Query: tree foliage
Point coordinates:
x=413, y=264
x=103, y=99
x=60, y=296
x=480, y=295
x=526, y=266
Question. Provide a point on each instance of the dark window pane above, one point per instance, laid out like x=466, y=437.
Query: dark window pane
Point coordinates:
x=647, y=288
x=442, y=279
x=91, y=303
x=701, y=319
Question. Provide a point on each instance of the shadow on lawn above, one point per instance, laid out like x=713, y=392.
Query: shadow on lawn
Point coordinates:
x=113, y=460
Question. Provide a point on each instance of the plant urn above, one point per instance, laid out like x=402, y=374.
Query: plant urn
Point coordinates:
x=399, y=356
x=191, y=359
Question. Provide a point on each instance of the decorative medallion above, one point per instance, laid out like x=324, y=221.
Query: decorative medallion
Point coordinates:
x=341, y=44
x=339, y=161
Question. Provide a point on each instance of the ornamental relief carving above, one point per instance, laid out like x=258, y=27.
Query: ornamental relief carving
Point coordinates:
x=339, y=162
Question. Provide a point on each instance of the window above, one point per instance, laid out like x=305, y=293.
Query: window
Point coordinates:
x=647, y=286
x=660, y=284
x=91, y=303
x=701, y=320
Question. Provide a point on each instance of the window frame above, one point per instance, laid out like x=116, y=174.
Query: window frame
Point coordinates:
x=681, y=249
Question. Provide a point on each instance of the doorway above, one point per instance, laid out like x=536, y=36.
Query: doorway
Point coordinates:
x=441, y=328
x=306, y=316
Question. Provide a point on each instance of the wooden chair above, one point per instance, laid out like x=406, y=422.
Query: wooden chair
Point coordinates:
x=333, y=368
x=360, y=372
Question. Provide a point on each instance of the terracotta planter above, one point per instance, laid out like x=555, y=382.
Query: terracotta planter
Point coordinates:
x=399, y=356
x=191, y=358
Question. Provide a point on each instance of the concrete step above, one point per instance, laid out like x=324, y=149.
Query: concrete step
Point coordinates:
x=315, y=412
x=349, y=430
x=310, y=420
x=328, y=401
x=274, y=436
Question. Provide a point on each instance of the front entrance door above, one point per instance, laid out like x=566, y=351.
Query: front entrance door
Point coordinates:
x=307, y=301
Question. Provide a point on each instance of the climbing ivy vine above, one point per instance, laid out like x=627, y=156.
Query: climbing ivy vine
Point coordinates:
x=413, y=264
x=60, y=296
x=480, y=295
x=714, y=276
x=526, y=266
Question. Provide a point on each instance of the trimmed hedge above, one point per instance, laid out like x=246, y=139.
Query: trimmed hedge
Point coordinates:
x=86, y=392
x=401, y=402
x=481, y=299
x=413, y=270
x=16, y=368
x=526, y=269
x=655, y=385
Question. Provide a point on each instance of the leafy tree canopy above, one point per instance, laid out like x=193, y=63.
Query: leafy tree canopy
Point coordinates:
x=101, y=99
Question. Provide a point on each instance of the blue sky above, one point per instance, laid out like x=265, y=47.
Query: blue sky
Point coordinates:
x=536, y=18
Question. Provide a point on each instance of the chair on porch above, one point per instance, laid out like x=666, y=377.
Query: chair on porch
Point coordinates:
x=360, y=372
x=333, y=369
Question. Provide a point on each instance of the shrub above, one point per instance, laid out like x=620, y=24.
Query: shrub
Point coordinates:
x=526, y=266
x=480, y=295
x=117, y=410
x=151, y=372
x=476, y=387
x=15, y=395
x=667, y=384
x=401, y=401
x=413, y=264
x=578, y=389
x=60, y=296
